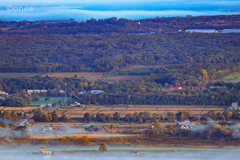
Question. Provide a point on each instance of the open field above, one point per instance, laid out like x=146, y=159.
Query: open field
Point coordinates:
x=78, y=112
x=107, y=112
x=196, y=109
x=90, y=109
x=123, y=78
x=19, y=75
x=142, y=109
x=131, y=109
x=205, y=112
x=25, y=109
x=79, y=74
x=52, y=100
x=119, y=108
x=90, y=75
x=106, y=108
x=233, y=77
x=90, y=135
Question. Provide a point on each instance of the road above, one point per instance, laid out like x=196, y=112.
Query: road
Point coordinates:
x=25, y=120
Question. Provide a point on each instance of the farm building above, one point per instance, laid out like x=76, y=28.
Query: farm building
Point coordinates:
x=183, y=87
x=234, y=106
x=75, y=104
x=83, y=92
x=3, y=93
x=29, y=91
x=96, y=91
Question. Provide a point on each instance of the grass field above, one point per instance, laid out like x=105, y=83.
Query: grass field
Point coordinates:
x=19, y=75
x=131, y=109
x=94, y=75
x=123, y=78
x=4, y=29
x=234, y=77
x=52, y=100
x=91, y=75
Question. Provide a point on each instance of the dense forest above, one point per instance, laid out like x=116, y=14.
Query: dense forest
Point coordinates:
x=51, y=53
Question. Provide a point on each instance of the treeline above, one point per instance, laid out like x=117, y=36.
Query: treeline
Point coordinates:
x=48, y=117
x=41, y=68
x=140, y=92
x=164, y=99
x=110, y=25
x=146, y=117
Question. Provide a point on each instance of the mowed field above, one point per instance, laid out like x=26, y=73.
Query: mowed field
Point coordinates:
x=19, y=75
x=79, y=74
x=131, y=109
x=94, y=75
x=24, y=109
x=123, y=78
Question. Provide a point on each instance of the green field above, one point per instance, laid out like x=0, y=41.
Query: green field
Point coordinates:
x=52, y=100
x=4, y=29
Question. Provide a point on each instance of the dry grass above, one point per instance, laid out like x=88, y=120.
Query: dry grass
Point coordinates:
x=105, y=109
x=12, y=109
x=119, y=108
x=195, y=112
x=72, y=112
x=29, y=108
x=141, y=109
x=123, y=78
x=205, y=112
x=157, y=112
x=195, y=109
x=107, y=112
x=174, y=109
x=90, y=109
x=215, y=109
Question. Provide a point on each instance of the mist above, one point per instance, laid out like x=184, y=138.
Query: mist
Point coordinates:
x=23, y=152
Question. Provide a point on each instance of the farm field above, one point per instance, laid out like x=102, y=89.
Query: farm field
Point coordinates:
x=123, y=78
x=52, y=100
x=233, y=77
x=24, y=109
x=19, y=75
x=131, y=109
x=79, y=74
x=91, y=75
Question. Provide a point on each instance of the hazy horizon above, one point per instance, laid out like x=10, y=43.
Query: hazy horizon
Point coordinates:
x=132, y=9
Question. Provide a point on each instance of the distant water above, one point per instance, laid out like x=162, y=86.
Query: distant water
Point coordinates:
x=130, y=9
x=20, y=153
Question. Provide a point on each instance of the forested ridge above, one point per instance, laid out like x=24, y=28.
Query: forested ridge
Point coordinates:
x=50, y=53
x=173, y=57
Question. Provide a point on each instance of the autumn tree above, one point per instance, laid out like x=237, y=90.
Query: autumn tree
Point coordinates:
x=54, y=116
x=102, y=147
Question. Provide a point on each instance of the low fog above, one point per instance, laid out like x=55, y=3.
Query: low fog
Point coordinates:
x=91, y=152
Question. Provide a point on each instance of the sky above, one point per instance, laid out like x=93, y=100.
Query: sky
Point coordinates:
x=100, y=9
